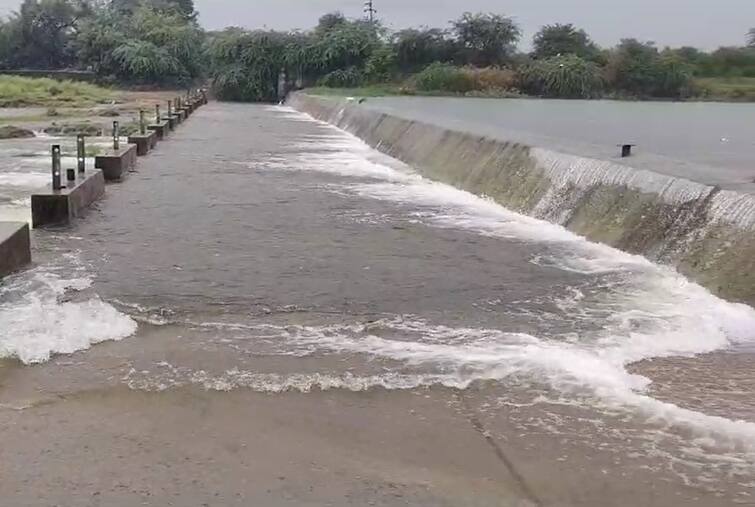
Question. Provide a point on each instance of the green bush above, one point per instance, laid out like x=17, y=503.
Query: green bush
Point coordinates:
x=569, y=77
x=348, y=78
x=442, y=77
x=381, y=65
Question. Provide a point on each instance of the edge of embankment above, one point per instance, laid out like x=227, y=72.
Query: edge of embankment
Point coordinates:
x=706, y=233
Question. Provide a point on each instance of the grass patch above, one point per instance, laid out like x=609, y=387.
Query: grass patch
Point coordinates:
x=23, y=118
x=726, y=88
x=16, y=91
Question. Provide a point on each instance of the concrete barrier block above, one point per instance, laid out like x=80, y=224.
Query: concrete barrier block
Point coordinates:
x=15, y=247
x=144, y=142
x=58, y=207
x=171, y=121
x=116, y=163
x=179, y=116
x=160, y=129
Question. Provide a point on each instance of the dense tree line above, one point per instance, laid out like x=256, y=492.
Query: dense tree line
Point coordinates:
x=132, y=41
x=159, y=42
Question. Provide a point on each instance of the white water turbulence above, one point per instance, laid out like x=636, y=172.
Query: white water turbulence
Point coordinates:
x=646, y=311
x=50, y=310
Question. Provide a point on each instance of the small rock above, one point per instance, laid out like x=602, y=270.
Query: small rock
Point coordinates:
x=11, y=132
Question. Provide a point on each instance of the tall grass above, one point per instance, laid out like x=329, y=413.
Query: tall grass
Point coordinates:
x=446, y=78
x=16, y=91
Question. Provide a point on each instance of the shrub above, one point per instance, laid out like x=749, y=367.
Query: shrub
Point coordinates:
x=444, y=77
x=380, y=65
x=493, y=78
x=567, y=76
x=348, y=78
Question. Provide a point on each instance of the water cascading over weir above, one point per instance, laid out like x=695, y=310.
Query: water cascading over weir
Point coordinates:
x=706, y=233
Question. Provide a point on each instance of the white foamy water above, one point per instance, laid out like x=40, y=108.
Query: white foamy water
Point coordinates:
x=47, y=311
x=21, y=179
x=654, y=312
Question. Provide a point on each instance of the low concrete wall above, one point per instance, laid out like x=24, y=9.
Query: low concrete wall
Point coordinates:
x=116, y=163
x=171, y=121
x=706, y=233
x=144, y=142
x=160, y=129
x=15, y=247
x=58, y=207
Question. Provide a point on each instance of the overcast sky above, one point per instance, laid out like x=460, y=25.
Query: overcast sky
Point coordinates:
x=702, y=23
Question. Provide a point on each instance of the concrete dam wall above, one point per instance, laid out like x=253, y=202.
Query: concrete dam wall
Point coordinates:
x=706, y=233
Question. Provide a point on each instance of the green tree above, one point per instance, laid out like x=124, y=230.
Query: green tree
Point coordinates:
x=566, y=76
x=418, y=47
x=486, y=39
x=348, y=44
x=184, y=7
x=673, y=77
x=381, y=64
x=558, y=39
x=631, y=68
x=98, y=37
x=246, y=65
x=148, y=45
x=41, y=31
x=729, y=62
x=638, y=69
x=751, y=37
x=329, y=22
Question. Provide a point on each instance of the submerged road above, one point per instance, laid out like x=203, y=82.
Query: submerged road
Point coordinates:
x=270, y=313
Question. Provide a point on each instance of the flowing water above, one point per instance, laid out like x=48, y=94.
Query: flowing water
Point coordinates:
x=262, y=251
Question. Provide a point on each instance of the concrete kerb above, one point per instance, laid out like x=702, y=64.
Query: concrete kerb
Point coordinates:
x=171, y=121
x=15, y=247
x=160, y=129
x=58, y=207
x=116, y=163
x=144, y=142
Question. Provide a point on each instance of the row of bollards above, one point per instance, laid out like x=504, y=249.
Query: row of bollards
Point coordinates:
x=57, y=171
x=57, y=183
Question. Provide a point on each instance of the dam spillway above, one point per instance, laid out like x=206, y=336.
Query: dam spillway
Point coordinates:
x=702, y=229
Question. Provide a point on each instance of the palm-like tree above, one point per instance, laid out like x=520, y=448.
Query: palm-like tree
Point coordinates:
x=751, y=37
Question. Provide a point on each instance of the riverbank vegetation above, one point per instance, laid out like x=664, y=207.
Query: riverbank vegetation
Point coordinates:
x=18, y=91
x=159, y=43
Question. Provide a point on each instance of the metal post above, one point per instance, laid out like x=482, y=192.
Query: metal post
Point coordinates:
x=116, y=136
x=170, y=108
x=158, y=120
x=81, y=153
x=142, y=123
x=71, y=176
x=369, y=9
x=56, y=185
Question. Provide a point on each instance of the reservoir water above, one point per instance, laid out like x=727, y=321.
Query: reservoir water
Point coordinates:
x=707, y=142
x=269, y=312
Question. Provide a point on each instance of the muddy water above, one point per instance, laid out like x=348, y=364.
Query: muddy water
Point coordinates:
x=270, y=311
